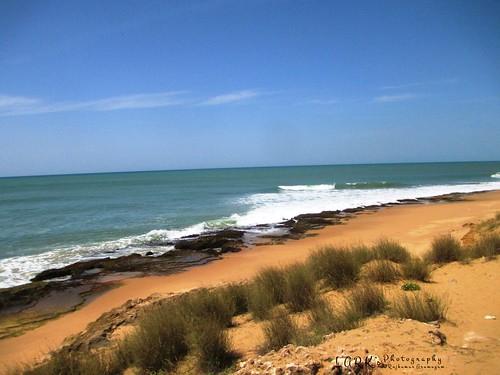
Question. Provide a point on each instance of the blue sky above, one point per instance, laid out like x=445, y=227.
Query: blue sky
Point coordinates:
x=132, y=85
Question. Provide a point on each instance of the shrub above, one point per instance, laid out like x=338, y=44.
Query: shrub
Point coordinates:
x=266, y=291
x=300, y=291
x=410, y=287
x=323, y=319
x=211, y=344
x=337, y=267
x=366, y=299
x=416, y=269
x=419, y=306
x=159, y=341
x=444, y=249
x=236, y=295
x=390, y=250
x=382, y=271
x=66, y=363
x=279, y=331
x=362, y=254
x=487, y=246
x=207, y=304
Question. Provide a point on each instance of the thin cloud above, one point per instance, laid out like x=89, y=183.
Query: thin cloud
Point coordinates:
x=232, y=97
x=417, y=84
x=7, y=101
x=13, y=105
x=323, y=101
x=394, y=98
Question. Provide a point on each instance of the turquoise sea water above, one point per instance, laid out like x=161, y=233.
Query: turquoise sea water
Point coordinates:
x=51, y=221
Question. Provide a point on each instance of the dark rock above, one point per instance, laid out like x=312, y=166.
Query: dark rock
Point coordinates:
x=220, y=239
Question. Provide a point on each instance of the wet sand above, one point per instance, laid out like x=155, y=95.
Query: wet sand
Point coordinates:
x=413, y=225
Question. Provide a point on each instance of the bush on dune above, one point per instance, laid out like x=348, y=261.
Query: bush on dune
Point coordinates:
x=488, y=246
x=416, y=269
x=267, y=290
x=419, y=306
x=387, y=249
x=362, y=253
x=207, y=304
x=324, y=319
x=280, y=331
x=66, y=363
x=300, y=288
x=236, y=295
x=159, y=341
x=212, y=346
x=337, y=267
x=444, y=249
x=382, y=271
x=366, y=300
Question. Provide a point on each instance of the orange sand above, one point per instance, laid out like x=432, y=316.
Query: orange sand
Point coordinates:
x=413, y=225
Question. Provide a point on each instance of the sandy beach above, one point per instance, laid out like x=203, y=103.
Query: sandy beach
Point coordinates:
x=413, y=225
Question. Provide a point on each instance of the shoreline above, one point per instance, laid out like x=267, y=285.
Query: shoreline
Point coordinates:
x=413, y=225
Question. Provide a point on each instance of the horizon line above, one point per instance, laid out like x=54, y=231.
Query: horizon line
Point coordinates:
x=243, y=167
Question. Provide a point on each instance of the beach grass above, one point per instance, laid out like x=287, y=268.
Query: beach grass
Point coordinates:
x=323, y=318
x=206, y=304
x=337, y=267
x=445, y=249
x=236, y=294
x=387, y=249
x=211, y=344
x=416, y=269
x=280, y=331
x=488, y=246
x=300, y=287
x=266, y=290
x=419, y=306
x=365, y=300
x=382, y=271
x=160, y=339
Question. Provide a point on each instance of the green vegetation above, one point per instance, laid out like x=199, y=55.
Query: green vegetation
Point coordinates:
x=419, y=306
x=266, y=291
x=323, y=319
x=159, y=341
x=390, y=250
x=365, y=300
x=382, y=271
x=211, y=344
x=445, y=249
x=280, y=331
x=337, y=267
x=487, y=246
x=237, y=295
x=416, y=269
x=410, y=287
x=300, y=288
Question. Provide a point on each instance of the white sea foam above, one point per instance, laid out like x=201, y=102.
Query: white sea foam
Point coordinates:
x=269, y=208
x=321, y=187
x=275, y=207
x=496, y=175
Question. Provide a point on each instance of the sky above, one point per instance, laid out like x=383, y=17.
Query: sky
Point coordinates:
x=93, y=86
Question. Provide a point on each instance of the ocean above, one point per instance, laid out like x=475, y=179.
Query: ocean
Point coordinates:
x=52, y=221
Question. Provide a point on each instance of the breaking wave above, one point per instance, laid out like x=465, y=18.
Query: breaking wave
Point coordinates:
x=263, y=208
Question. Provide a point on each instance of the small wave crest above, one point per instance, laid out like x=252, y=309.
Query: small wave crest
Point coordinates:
x=321, y=187
x=496, y=175
x=370, y=185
